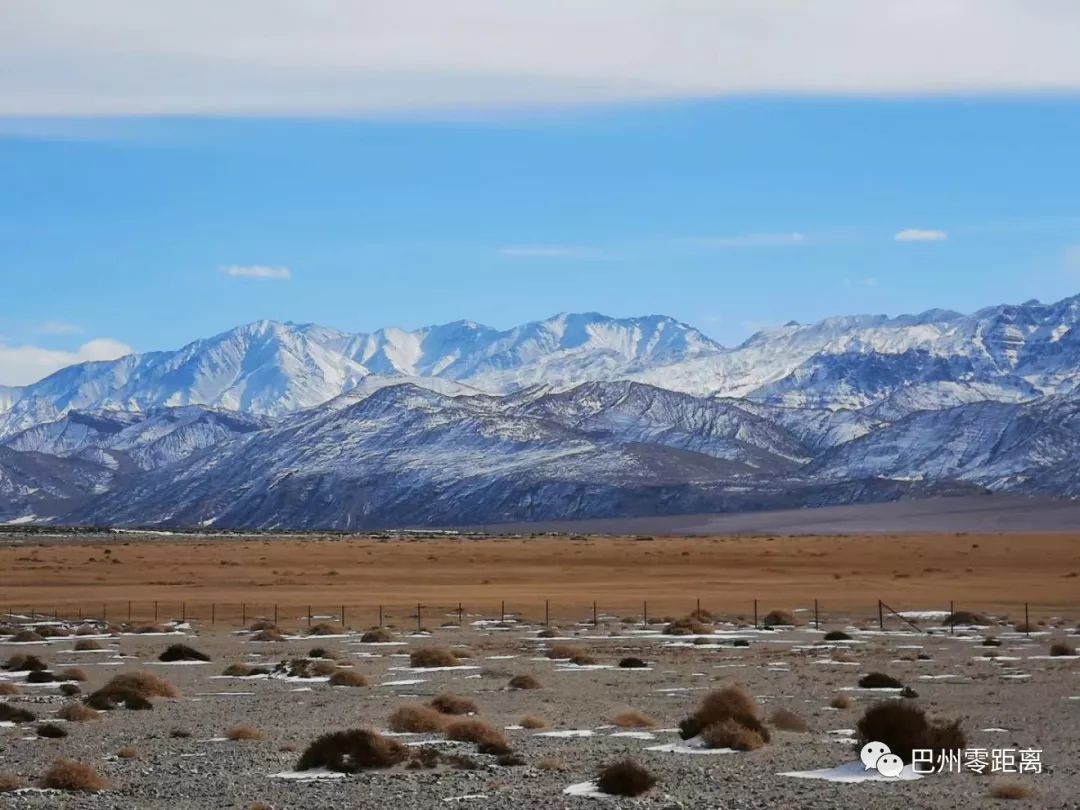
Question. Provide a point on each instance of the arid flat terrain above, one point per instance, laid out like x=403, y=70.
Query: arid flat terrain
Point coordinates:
x=846, y=574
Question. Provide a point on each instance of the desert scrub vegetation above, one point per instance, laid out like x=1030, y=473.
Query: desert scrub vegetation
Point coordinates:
x=779, y=618
x=841, y=702
x=322, y=652
x=531, y=721
x=25, y=663
x=242, y=670
x=25, y=637
x=127, y=752
x=561, y=652
x=548, y=632
x=51, y=731
x=524, y=682
x=1062, y=648
x=243, y=733
x=447, y=703
x=72, y=674
x=131, y=690
x=77, y=713
x=727, y=718
x=15, y=714
x=346, y=677
x=487, y=738
x=182, y=652
x=837, y=635
x=40, y=676
x=688, y=626
x=415, y=718
x=324, y=629
x=625, y=778
x=87, y=645
x=787, y=720
x=259, y=625
x=632, y=662
x=377, y=635
x=879, y=680
x=1011, y=790
x=903, y=726
x=9, y=783
x=966, y=617
x=428, y=657
x=268, y=634
x=352, y=751
x=67, y=774
x=9, y=689
x=632, y=718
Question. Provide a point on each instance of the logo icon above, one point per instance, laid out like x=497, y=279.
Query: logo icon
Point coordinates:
x=878, y=756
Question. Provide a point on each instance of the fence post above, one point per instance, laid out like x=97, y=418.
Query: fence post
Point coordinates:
x=880, y=616
x=342, y=617
x=275, y=613
x=595, y=618
x=155, y=611
x=755, y=615
x=817, y=623
x=417, y=617
x=547, y=612
x=243, y=614
x=309, y=615
x=183, y=612
x=952, y=617
x=104, y=613
x=213, y=613
x=1027, y=622
x=502, y=611
x=645, y=613
x=380, y=616
x=698, y=610
x=460, y=615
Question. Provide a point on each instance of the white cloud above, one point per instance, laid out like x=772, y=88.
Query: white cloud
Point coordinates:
x=248, y=57
x=258, y=271
x=920, y=235
x=751, y=240
x=20, y=365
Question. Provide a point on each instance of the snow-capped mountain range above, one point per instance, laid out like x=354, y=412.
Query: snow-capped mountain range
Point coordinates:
x=281, y=425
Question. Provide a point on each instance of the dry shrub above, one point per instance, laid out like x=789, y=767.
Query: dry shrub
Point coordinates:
x=67, y=774
x=730, y=703
x=40, y=676
x=488, y=739
x=423, y=758
x=551, y=764
x=1061, y=648
x=113, y=697
x=25, y=637
x=146, y=684
x=48, y=631
x=25, y=663
x=179, y=734
x=632, y=718
x=269, y=634
x=687, y=626
x=732, y=734
x=879, y=680
x=965, y=617
x=322, y=652
x=148, y=629
x=531, y=721
x=559, y=652
x=433, y=657
x=524, y=682
x=625, y=778
x=841, y=702
x=323, y=629
x=86, y=645
x=837, y=635
x=242, y=670
x=262, y=624
x=453, y=704
x=582, y=660
x=1011, y=790
x=352, y=751
x=86, y=630
x=346, y=677
x=548, y=632
x=378, y=635
x=9, y=783
x=415, y=718
x=903, y=726
x=15, y=714
x=243, y=734
x=843, y=657
x=779, y=618
x=9, y=689
x=72, y=674
x=1025, y=627
x=182, y=652
x=632, y=662
x=51, y=731
x=323, y=668
x=127, y=752
x=77, y=713
x=510, y=760
x=787, y=720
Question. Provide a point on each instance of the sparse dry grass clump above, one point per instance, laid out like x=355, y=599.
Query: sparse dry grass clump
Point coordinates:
x=559, y=652
x=903, y=726
x=51, y=731
x=531, y=721
x=688, y=626
x=77, y=713
x=632, y=662
x=632, y=718
x=324, y=629
x=966, y=617
x=377, y=635
x=1011, y=790
x=323, y=668
x=132, y=690
x=86, y=630
x=787, y=720
x=19, y=662
x=15, y=714
x=1062, y=648
x=841, y=702
x=779, y=618
x=72, y=674
x=415, y=718
x=837, y=635
x=9, y=783
x=447, y=703
x=427, y=657
x=346, y=677
x=67, y=774
x=242, y=670
x=268, y=634
x=1025, y=627
x=322, y=652
x=86, y=645
x=148, y=629
x=548, y=632
x=182, y=652
x=243, y=734
x=127, y=752
x=488, y=739
x=879, y=680
x=259, y=625
x=727, y=718
x=524, y=682
x=40, y=676
x=352, y=751
x=25, y=637
x=9, y=688
x=625, y=778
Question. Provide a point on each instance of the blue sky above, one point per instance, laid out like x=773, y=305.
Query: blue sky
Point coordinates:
x=731, y=212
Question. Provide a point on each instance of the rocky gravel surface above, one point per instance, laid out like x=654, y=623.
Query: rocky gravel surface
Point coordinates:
x=1023, y=698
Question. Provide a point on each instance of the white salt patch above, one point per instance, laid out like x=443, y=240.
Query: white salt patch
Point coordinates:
x=694, y=745
x=995, y=730
x=176, y=663
x=303, y=776
x=588, y=790
x=403, y=683
x=853, y=772
x=433, y=669
x=569, y=732
x=468, y=797
x=634, y=735
x=1019, y=676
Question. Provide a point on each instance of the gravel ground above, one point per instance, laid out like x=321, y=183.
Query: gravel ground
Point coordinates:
x=787, y=668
